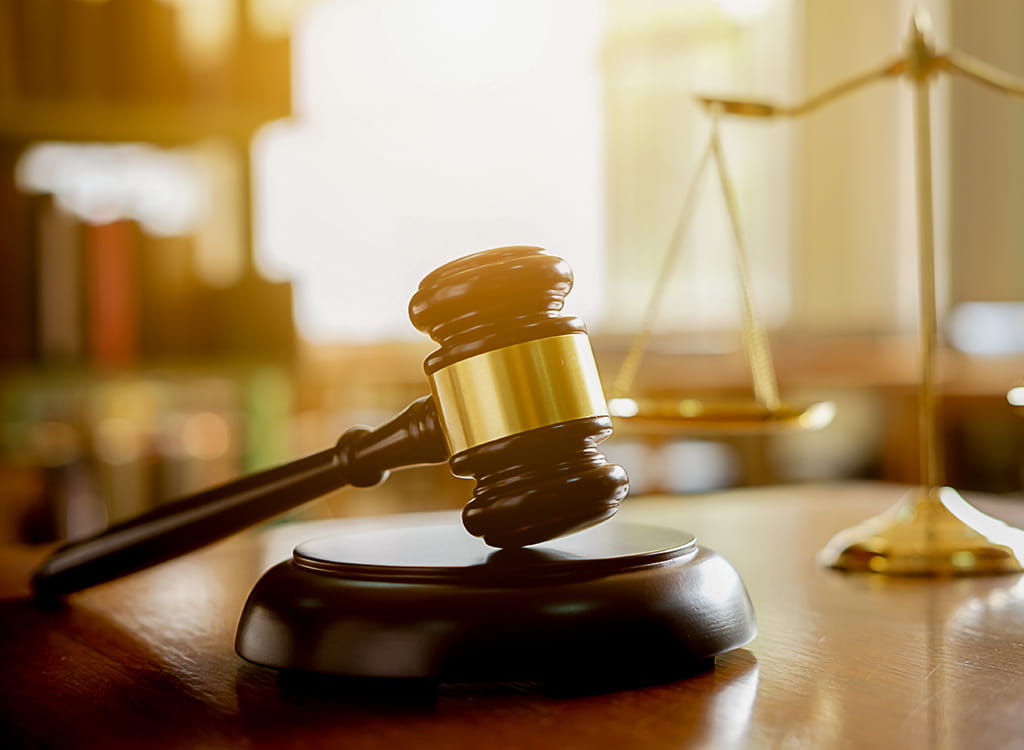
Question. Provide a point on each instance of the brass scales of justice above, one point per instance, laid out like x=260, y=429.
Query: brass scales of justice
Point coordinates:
x=933, y=530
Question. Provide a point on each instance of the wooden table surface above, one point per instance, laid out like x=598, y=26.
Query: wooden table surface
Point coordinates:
x=841, y=660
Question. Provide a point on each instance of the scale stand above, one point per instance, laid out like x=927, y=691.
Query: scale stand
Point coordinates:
x=934, y=530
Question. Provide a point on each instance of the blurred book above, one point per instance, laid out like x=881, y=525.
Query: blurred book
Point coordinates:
x=147, y=62
x=38, y=39
x=87, y=39
x=8, y=79
x=169, y=293
x=58, y=283
x=112, y=302
x=256, y=318
x=17, y=272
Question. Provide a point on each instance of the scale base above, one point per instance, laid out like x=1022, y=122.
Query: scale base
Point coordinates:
x=619, y=602
x=932, y=531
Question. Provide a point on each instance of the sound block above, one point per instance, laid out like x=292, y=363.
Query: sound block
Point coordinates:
x=619, y=600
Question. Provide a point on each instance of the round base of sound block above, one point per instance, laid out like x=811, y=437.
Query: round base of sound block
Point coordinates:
x=433, y=602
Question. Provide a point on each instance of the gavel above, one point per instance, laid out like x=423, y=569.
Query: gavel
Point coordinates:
x=516, y=404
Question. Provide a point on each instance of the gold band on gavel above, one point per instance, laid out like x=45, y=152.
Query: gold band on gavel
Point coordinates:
x=517, y=388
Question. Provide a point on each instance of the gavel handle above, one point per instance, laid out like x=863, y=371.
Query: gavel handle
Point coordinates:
x=361, y=457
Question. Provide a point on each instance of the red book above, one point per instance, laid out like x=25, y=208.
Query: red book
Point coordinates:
x=112, y=303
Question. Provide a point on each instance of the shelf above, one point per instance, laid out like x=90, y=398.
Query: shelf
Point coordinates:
x=64, y=120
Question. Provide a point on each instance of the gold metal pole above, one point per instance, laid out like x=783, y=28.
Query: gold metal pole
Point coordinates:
x=982, y=73
x=755, y=339
x=931, y=474
x=769, y=109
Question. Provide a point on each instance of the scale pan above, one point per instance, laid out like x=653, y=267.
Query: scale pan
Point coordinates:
x=686, y=416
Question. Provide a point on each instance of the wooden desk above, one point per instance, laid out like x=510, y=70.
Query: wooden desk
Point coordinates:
x=841, y=660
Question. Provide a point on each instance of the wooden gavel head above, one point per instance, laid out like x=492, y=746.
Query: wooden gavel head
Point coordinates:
x=518, y=396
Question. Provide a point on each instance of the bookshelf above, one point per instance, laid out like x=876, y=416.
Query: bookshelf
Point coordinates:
x=125, y=376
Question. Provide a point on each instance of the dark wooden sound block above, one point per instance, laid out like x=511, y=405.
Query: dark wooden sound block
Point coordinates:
x=617, y=600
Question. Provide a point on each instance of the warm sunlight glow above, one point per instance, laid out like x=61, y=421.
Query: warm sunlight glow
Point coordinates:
x=206, y=29
x=425, y=131
x=744, y=11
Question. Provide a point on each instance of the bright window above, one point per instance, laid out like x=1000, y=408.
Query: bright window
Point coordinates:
x=425, y=131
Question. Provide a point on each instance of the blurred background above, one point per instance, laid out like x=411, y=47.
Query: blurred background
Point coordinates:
x=213, y=214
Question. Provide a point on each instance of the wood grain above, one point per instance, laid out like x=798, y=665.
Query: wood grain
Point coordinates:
x=841, y=660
